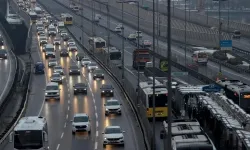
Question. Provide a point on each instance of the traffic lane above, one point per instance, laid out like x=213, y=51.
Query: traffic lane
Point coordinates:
x=242, y=43
x=124, y=121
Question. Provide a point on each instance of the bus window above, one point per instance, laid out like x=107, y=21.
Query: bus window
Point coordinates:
x=161, y=100
x=68, y=19
x=115, y=56
x=100, y=44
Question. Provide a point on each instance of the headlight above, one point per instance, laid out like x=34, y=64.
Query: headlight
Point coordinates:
x=107, y=109
x=70, y=71
x=78, y=70
x=111, y=91
x=94, y=74
x=5, y=54
x=102, y=74
x=103, y=91
x=89, y=68
x=85, y=89
x=57, y=93
x=46, y=93
x=105, y=138
x=75, y=89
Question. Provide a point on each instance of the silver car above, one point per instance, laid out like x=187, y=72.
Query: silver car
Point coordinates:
x=56, y=77
x=52, y=63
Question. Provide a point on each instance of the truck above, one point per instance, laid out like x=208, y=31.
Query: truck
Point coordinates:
x=149, y=70
x=39, y=68
x=140, y=58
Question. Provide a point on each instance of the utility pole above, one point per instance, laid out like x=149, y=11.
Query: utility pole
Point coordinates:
x=82, y=39
x=220, y=32
x=169, y=79
x=228, y=16
x=185, y=36
x=108, y=30
x=157, y=25
x=92, y=18
x=123, y=67
x=138, y=26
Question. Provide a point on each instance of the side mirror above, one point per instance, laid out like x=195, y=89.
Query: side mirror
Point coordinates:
x=123, y=131
x=45, y=136
x=102, y=132
x=11, y=137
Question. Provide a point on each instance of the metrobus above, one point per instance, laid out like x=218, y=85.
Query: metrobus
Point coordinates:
x=114, y=54
x=200, y=57
x=33, y=16
x=30, y=133
x=97, y=44
x=161, y=99
x=67, y=18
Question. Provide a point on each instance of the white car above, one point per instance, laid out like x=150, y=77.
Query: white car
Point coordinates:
x=132, y=37
x=39, y=32
x=52, y=62
x=118, y=29
x=119, y=25
x=57, y=41
x=138, y=33
x=43, y=40
x=52, y=91
x=56, y=77
x=113, y=135
x=58, y=69
x=147, y=43
x=112, y=106
x=63, y=33
x=81, y=122
x=92, y=66
x=73, y=48
x=71, y=42
x=85, y=62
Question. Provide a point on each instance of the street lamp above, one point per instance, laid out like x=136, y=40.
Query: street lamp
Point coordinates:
x=220, y=24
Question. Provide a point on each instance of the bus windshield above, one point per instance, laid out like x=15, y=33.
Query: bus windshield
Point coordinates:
x=100, y=44
x=161, y=100
x=143, y=56
x=115, y=56
x=202, y=55
x=68, y=18
x=28, y=139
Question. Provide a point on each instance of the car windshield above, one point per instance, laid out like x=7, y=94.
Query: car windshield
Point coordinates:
x=71, y=40
x=3, y=52
x=81, y=119
x=112, y=130
x=57, y=40
x=85, y=59
x=93, y=64
x=110, y=103
x=80, y=85
x=64, y=50
x=52, y=87
x=73, y=67
x=57, y=67
x=43, y=38
x=52, y=60
x=72, y=46
x=98, y=71
x=107, y=86
x=56, y=75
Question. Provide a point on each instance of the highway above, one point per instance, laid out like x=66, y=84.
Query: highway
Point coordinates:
x=59, y=113
x=7, y=67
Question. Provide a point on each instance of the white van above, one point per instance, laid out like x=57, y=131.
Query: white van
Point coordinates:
x=200, y=57
x=52, y=91
x=49, y=51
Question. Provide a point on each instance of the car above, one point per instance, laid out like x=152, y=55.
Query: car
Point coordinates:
x=113, y=135
x=80, y=88
x=81, y=122
x=43, y=40
x=63, y=33
x=71, y=42
x=66, y=38
x=138, y=33
x=107, y=90
x=92, y=66
x=236, y=34
x=112, y=106
x=39, y=32
x=80, y=56
x=39, y=68
x=56, y=77
x=73, y=48
x=52, y=62
x=40, y=26
x=64, y=52
x=132, y=37
x=52, y=91
x=58, y=69
x=98, y=74
x=74, y=70
x=119, y=25
x=118, y=29
x=57, y=41
x=85, y=62
x=3, y=54
x=44, y=47
x=42, y=35
x=146, y=43
x=1, y=41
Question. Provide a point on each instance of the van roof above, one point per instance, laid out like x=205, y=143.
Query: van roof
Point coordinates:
x=52, y=84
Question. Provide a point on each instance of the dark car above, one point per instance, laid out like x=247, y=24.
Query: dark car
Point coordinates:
x=3, y=54
x=107, y=90
x=80, y=56
x=98, y=74
x=64, y=52
x=1, y=41
x=80, y=88
x=66, y=38
x=74, y=70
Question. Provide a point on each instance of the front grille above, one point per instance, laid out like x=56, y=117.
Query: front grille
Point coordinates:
x=81, y=126
x=113, y=109
x=113, y=139
x=54, y=93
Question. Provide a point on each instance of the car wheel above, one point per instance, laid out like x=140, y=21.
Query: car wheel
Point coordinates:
x=106, y=114
x=93, y=78
x=73, y=132
x=104, y=145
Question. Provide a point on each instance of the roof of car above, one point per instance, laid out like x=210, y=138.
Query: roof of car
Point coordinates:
x=80, y=84
x=81, y=115
x=109, y=127
x=74, y=67
x=107, y=86
x=112, y=100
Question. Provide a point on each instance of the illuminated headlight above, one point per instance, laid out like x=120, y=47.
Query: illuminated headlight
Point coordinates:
x=75, y=89
x=78, y=70
x=47, y=54
x=5, y=54
x=107, y=109
x=89, y=68
x=46, y=93
x=94, y=74
x=105, y=138
x=111, y=91
x=103, y=91
x=70, y=71
x=85, y=89
x=102, y=74
x=96, y=67
x=119, y=109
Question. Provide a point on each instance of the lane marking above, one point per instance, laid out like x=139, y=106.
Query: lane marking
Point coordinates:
x=92, y=94
x=58, y=146
x=67, y=116
x=96, y=115
x=62, y=135
x=68, y=108
x=97, y=133
x=97, y=124
x=95, y=107
x=68, y=95
x=65, y=124
x=68, y=89
x=95, y=145
x=69, y=101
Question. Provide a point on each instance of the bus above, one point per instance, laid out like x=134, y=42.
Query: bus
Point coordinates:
x=67, y=18
x=33, y=16
x=97, y=44
x=200, y=57
x=30, y=133
x=237, y=91
x=115, y=55
x=161, y=99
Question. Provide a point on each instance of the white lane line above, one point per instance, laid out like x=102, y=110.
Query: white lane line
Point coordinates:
x=95, y=107
x=96, y=115
x=92, y=94
x=68, y=108
x=96, y=145
x=90, y=89
x=97, y=124
x=62, y=135
x=94, y=100
x=69, y=101
x=97, y=133
x=68, y=89
x=58, y=146
x=65, y=124
x=67, y=116
x=69, y=95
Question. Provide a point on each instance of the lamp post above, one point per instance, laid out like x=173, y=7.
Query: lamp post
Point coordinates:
x=228, y=15
x=219, y=32
x=185, y=36
x=82, y=39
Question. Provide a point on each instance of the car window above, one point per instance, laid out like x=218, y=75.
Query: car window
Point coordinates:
x=85, y=59
x=112, y=130
x=73, y=67
x=110, y=103
x=52, y=60
x=58, y=67
x=52, y=87
x=80, y=85
x=107, y=86
x=93, y=64
x=56, y=75
x=81, y=119
x=98, y=71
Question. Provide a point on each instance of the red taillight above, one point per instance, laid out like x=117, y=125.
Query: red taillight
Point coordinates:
x=235, y=94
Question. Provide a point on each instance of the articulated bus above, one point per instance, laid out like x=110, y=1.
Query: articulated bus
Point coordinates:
x=67, y=18
x=161, y=99
x=30, y=133
x=114, y=54
x=97, y=44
